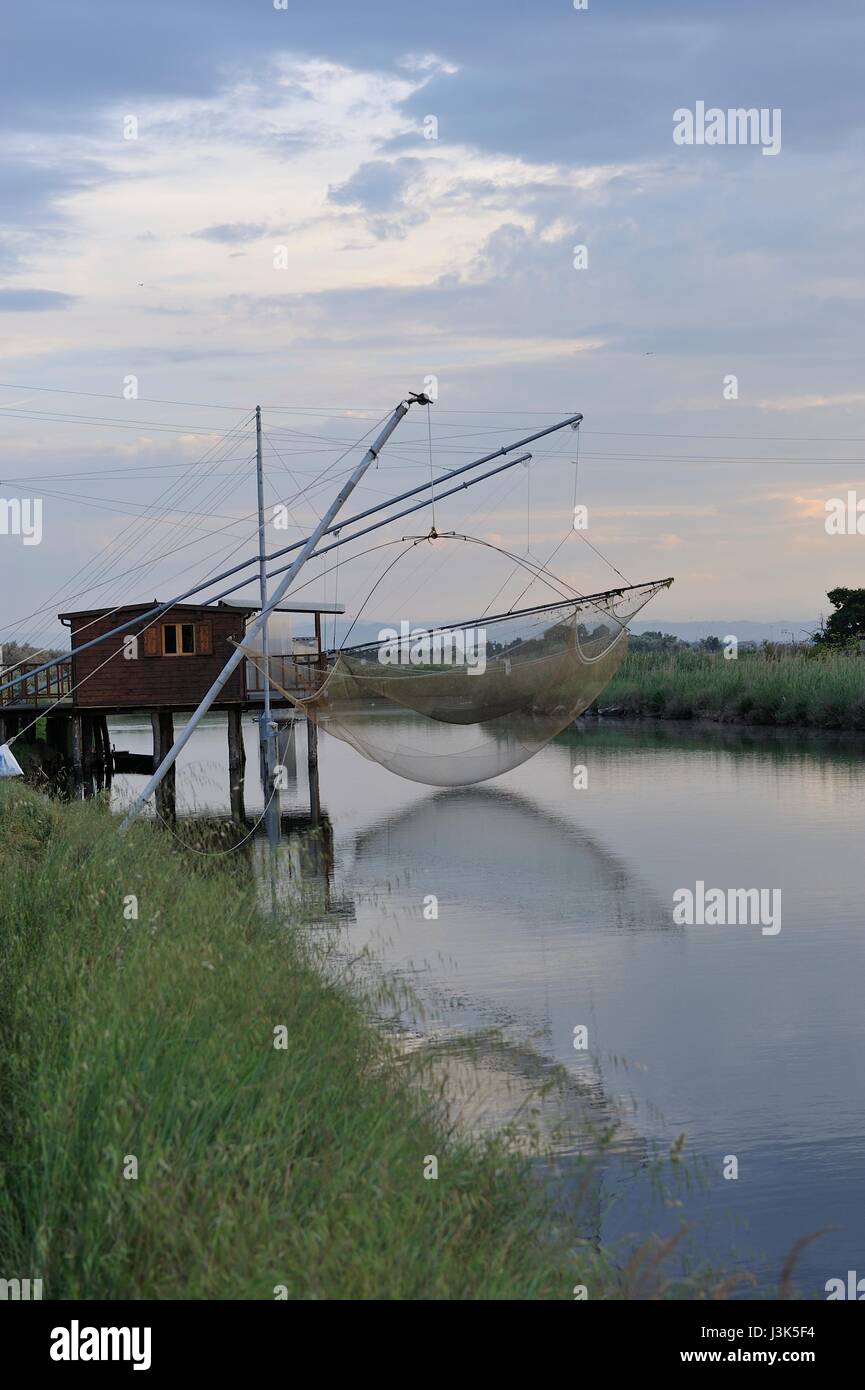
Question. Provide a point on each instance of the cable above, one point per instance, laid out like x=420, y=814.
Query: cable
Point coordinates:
x=505, y=449
x=253, y=560
x=217, y=853
x=114, y=543
x=432, y=489
x=330, y=410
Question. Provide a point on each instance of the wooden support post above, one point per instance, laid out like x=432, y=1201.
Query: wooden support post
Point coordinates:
x=236, y=762
x=105, y=740
x=320, y=658
x=162, y=723
x=87, y=755
x=101, y=752
x=312, y=768
x=77, y=755
x=154, y=725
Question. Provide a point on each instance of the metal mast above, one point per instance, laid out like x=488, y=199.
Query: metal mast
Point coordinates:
x=238, y=654
x=265, y=723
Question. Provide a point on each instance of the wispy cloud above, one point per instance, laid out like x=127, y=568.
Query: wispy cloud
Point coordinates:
x=28, y=301
x=794, y=404
x=233, y=233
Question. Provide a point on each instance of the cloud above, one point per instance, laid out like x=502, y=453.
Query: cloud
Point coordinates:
x=25, y=301
x=454, y=255
x=233, y=233
x=378, y=188
x=37, y=182
x=813, y=402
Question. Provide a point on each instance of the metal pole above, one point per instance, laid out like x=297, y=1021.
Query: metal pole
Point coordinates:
x=238, y=654
x=262, y=558
x=266, y=727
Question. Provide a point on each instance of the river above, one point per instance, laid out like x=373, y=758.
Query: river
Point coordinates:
x=554, y=910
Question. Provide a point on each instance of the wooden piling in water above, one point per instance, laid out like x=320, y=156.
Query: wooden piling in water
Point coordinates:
x=236, y=762
x=312, y=768
x=162, y=723
x=87, y=741
x=77, y=752
x=105, y=741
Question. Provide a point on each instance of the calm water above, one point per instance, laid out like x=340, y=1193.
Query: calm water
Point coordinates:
x=555, y=909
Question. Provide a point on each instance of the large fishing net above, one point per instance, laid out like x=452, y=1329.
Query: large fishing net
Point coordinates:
x=457, y=705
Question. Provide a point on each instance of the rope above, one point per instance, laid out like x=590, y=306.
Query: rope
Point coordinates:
x=215, y=853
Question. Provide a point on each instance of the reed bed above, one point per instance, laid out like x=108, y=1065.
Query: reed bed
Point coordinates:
x=803, y=687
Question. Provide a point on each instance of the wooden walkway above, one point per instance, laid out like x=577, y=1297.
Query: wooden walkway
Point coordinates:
x=77, y=734
x=300, y=675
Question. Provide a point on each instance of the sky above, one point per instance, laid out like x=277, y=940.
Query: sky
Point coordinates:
x=318, y=208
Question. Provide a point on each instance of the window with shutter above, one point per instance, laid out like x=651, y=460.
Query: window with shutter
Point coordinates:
x=151, y=641
x=203, y=642
x=178, y=639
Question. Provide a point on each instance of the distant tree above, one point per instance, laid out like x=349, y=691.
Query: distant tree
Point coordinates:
x=846, y=625
x=13, y=652
x=710, y=644
x=655, y=642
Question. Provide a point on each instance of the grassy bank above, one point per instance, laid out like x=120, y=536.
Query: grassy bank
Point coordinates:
x=806, y=688
x=257, y=1166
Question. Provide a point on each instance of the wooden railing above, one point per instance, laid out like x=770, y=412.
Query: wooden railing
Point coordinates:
x=301, y=675
x=42, y=689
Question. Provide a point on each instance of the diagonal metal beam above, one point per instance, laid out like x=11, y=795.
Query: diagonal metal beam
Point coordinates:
x=238, y=654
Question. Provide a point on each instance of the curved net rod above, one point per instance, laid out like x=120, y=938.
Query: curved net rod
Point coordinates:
x=454, y=706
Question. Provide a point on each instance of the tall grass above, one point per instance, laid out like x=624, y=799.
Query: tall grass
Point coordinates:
x=805, y=688
x=153, y=1039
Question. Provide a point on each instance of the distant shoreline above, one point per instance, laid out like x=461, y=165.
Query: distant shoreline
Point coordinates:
x=806, y=688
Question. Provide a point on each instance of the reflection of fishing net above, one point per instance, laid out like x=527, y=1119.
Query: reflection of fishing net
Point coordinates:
x=453, y=706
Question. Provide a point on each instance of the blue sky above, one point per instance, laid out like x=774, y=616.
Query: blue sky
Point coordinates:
x=298, y=135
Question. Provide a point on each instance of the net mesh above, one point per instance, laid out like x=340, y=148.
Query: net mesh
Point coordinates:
x=458, y=705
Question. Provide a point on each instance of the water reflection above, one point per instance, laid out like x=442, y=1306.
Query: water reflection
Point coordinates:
x=497, y=852
x=554, y=910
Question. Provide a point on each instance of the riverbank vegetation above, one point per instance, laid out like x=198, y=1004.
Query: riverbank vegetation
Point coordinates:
x=156, y=1143
x=816, y=686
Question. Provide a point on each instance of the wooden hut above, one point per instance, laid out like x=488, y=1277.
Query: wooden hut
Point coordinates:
x=167, y=664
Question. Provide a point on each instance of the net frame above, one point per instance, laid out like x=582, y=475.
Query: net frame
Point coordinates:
x=546, y=692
